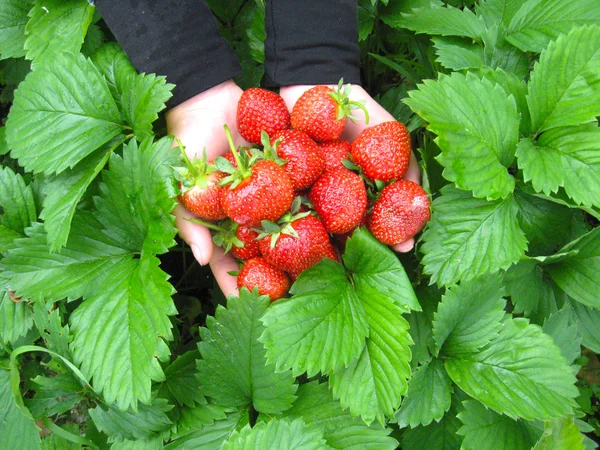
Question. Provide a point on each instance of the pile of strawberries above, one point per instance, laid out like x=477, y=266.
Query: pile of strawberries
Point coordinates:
x=292, y=200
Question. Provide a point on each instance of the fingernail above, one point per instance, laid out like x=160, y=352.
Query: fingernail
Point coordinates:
x=198, y=254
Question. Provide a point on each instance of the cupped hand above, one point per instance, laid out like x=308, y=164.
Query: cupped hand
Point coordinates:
x=377, y=115
x=198, y=124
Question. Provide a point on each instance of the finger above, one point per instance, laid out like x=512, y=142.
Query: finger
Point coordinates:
x=404, y=247
x=220, y=265
x=377, y=114
x=413, y=173
x=196, y=236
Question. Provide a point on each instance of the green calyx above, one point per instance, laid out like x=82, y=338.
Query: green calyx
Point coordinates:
x=243, y=160
x=193, y=172
x=284, y=224
x=341, y=95
x=269, y=151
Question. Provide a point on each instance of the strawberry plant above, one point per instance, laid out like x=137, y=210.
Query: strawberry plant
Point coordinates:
x=485, y=336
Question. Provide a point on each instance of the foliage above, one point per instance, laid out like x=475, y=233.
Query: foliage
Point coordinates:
x=109, y=338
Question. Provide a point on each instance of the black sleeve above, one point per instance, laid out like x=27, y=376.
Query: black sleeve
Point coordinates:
x=176, y=38
x=312, y=42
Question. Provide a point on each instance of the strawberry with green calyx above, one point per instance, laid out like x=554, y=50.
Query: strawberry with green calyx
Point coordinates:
x=335, y=152
x=402, y=210
x=257, y=189
x=305, y=161
x=383, y=151
x=200, y=192
x=297, y=245
x=240, y=240
x=340, y=199
x=321, y=111
x=261, y=110
x=258, y=273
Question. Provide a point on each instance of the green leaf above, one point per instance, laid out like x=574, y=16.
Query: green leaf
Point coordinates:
x=372, y=385
x=54, y=396
x=578, y=275
x=560, y=434
x=447, y=21
x=564, y=332
x=202, y=415
x=468, y=237
x=145, y=423
x=588, y=323
x=17, y=208
x=63, y=193
x=17, y=430
x=93, y=40
x=113, y=64
x=393, y=13
x=233, y=369
x=421, y=325
x=276, y=434
x=496, y=12
x=321, y=328
x=458, y=53
x=13, y=18
x=377, y=273
x=55, y=441
x=61, y=113
x=564, y=157
x=225, y=10
x=547, y=225
x=530, y=290
x=181, y=382
x=476, y=148
x=428, y=398
x=48, y=322
x=12, y=72
x=56, y=26
x=120, y=331
x=439, y=435
x=366, y=19
x=136, y=198
x=210, y=437
x=521, y=373
x=38, y=274
x=564, y=89
x=540, y=21
x=469, y=316
x=484, y=428
x=16, y=319
x=316, y=406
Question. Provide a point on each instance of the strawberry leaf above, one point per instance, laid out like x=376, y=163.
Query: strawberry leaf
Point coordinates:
x=521, y=373
x=62, y=112
x=495, y=12
x=210, y=436
x=17, y=427
x=484, y=428
x=448, y=21
x=468, y=237
x=16, y=319
x=476, y=148
x=564, y=89
x=561, y=433
x=56, y=26
x=13, y=18
x=233, y=369
x=17, y=208
x=324, y=313
x=563, y=329
x=317, y=407
x=428, y=398
x=588, y=323
x=538, y=22
x=180, y=380
x=294, y=435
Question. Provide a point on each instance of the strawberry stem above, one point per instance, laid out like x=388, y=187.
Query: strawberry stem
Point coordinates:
x=188, y=163
x=232, y=146
x=209, y=225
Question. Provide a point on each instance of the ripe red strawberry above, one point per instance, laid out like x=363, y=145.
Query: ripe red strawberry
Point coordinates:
x=298, y=252
x=340, y=199
x=203, y=198
x=304, y=157
x=401, y=211
x=335, y=152
x=321, y=112
x=247, y=236
x=231, y=158
x=257, y=272
x=383, y=151
x=261, y=110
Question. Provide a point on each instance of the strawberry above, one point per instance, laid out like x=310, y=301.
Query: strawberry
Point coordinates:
x=199, y=188
x=340, y=199
x=304, y=157
x=258, y=189
x=383, y=151
x=299, y=245
x=321, y=112
x=335, y=152
x=249, y=248
x=261, y=110
x=257, y=272
x=401, y=211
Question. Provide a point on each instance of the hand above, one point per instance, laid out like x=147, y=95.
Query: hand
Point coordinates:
x=198, y=124
x=377, y=115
